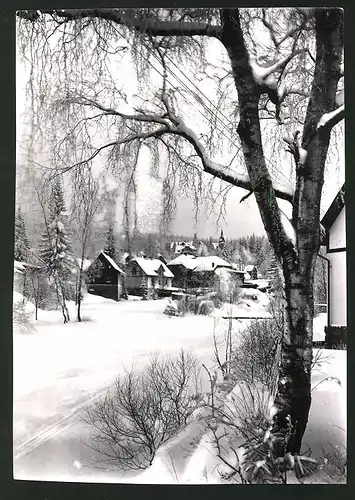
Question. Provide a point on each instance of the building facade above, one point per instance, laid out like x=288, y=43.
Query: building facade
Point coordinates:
x=105, y=278
x=334, y=222
x=151, y=274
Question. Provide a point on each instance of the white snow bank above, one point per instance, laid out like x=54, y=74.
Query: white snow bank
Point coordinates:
x=253, y=304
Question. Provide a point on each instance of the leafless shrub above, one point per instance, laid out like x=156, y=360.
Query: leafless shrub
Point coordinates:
x=143, y=410
x=205, y=307
x=256, y=356
x=21, y=318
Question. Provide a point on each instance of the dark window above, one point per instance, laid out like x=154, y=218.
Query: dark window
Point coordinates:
x=134, y=271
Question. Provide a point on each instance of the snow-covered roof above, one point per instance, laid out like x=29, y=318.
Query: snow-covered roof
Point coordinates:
x=112, y=262
x=151, y=266
x=167, y=272
x=86, y=263
x=334, y=210
x=249, y=267
x=124, y=257
x=227, y=270
x=210, y=263
x=188, y=261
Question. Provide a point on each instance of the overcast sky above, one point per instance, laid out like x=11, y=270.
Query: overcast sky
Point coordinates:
x=241, y=219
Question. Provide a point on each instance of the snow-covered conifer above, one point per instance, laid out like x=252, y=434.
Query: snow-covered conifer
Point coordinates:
x=110, y=244
x=22, y=243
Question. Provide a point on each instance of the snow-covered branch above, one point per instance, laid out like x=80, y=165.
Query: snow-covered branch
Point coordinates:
x=260, y=73
x=329, y=120
x=221, y=171
x=295, y=148
x=142, y=25
x=173, y=125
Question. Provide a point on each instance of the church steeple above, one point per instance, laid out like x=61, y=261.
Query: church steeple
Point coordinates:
x=222, y=241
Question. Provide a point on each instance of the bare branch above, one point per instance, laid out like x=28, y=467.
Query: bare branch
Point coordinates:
x=220, y=171
x=174, y=125
x=246, y=196
x=142, y=25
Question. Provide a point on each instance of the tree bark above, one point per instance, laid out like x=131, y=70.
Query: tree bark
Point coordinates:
x=293, y=399
x=294, y=387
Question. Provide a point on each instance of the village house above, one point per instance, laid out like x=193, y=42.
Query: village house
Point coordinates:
x=252, y=272
x=334, y=224
x=105, y=278
x=183, y=247
x=150, y=273
x=200, y=272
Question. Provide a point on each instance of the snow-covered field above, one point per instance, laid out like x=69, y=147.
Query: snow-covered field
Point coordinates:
x=58, y=369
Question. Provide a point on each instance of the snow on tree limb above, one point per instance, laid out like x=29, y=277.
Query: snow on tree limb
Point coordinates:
x=288, y=227
x=261, y=73
x=175, y=126
x=329, y=120
x=142, y=25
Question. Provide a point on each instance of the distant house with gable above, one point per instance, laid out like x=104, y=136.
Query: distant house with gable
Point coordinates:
x=200, y=272
x=153, y=273
x=252, y=272
x=105, y=278
x=334, y=224
x=183, y=247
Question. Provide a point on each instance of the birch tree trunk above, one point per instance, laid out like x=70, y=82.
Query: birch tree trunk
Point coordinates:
x=298, y=258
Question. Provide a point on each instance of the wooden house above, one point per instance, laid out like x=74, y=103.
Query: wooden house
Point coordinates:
x=252, y=272
x=150, y=273
x=334, y=224
x=105, y=278
x=197, y=272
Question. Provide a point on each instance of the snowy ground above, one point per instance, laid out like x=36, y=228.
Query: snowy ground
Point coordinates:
x=59, y=369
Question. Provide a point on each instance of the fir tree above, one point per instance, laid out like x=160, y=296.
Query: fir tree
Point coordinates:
x=110, y=245
x=195, y=241
x=55, y=249
x=22, y=243
x=210, y=247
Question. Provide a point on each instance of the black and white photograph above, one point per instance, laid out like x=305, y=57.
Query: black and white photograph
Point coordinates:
x=180, y=266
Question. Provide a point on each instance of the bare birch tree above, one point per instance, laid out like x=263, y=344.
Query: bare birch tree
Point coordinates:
x=280, y=85
x=85, y=204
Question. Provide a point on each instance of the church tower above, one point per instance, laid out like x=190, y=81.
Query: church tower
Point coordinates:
x=222, y=241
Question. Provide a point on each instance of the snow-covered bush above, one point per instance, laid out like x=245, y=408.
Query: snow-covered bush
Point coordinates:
x=228, y=287
x=21, y=318
x=143, y=410
x=171, y=309
x=205, y=307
